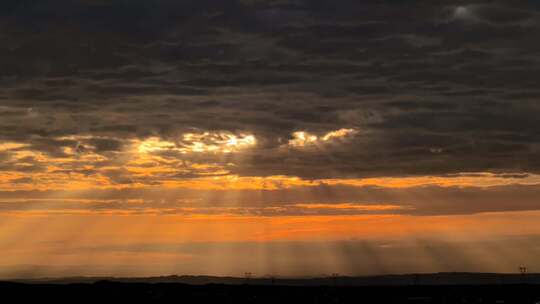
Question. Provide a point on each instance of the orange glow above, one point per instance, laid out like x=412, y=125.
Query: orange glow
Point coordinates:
x=220, y=228
x=350, y=207
x=96, y=231
x=158, y=162
x=220, y=179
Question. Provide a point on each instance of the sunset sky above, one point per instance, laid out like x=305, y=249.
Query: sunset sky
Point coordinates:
x=278, y=137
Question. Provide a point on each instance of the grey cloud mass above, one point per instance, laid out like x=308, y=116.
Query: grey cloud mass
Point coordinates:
x=433, y=87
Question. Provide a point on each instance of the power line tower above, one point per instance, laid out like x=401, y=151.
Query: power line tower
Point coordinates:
x=523, y=270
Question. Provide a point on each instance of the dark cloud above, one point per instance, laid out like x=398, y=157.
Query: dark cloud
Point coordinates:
x=433, y=88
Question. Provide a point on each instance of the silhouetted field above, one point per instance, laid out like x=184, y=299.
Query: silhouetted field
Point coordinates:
x=117, y=292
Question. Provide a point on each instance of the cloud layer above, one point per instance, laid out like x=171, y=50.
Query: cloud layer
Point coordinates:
x=428, y=88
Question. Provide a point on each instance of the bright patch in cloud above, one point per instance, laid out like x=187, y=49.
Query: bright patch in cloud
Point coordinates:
x=465, y=13
x=223, y=142
x=155, y=144
x=207, y=142
x=341, y=133
x=302, y=138
x=6, y=146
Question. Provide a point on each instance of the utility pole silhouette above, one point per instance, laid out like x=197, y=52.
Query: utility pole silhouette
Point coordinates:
x=247, y=277
x=417, y=280
x=272, y=279
x=523, y=271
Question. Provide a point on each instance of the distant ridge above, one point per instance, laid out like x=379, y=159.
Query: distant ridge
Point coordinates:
x=446, y=278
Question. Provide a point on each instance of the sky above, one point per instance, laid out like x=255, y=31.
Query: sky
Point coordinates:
x=278, y=137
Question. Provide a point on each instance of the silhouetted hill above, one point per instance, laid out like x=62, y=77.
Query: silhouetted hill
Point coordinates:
x=123, y=292
x=383, y=280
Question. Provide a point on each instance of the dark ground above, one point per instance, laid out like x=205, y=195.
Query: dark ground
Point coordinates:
x=116, y=292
